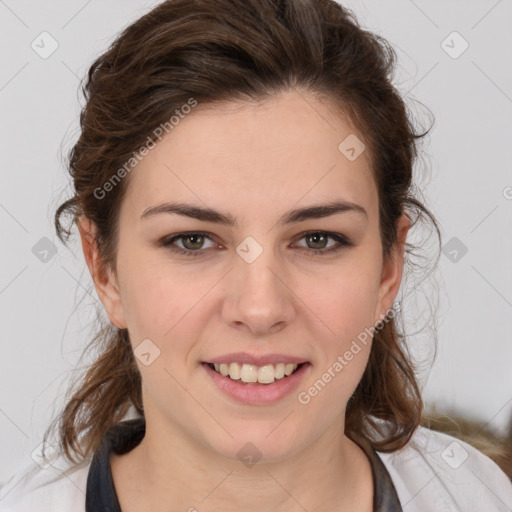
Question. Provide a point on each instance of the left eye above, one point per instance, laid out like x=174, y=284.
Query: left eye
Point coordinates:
x=192, y=242
x=321, y=237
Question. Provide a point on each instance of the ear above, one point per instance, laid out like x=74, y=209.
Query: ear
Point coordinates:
x=392, y=270
x=102, y=275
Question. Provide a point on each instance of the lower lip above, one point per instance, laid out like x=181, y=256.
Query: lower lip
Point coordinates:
x=257, y=393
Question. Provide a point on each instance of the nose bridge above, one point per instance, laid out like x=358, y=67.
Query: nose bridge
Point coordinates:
x=259, y=298
x=256, y=267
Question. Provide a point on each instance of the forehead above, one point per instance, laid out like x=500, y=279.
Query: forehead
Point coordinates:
x=255, y=159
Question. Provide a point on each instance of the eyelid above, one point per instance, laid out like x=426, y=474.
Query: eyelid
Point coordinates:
x=171, y=239
x=342, y=242
x=338, y=237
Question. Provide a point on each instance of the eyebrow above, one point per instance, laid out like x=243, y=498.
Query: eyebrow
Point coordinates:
x=300, y=214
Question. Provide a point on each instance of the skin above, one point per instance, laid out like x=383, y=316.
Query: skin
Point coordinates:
x=255, y=161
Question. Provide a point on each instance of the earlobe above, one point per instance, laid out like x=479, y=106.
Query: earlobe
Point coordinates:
x=392, y=270
x=102, y=275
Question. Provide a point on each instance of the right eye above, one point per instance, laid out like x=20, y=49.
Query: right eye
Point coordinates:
x=192, y=242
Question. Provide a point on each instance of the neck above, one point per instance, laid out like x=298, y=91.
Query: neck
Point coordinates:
x=169, y=467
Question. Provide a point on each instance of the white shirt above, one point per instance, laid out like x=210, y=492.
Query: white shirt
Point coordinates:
x=434, y=472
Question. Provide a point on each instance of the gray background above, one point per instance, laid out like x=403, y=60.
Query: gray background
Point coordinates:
x=46, y=307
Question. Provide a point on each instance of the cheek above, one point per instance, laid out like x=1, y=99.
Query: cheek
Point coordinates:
x=157, y=299
x=346, y=302
x=341, y=354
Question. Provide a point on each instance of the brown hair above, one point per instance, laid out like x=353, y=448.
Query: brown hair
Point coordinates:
x=221, y=50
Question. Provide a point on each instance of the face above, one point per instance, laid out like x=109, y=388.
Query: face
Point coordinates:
x=253, y=283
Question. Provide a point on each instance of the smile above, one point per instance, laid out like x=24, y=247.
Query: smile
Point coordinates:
x=243, y=382
x=250, y=373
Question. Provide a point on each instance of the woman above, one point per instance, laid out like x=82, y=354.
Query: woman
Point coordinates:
x=243, y=197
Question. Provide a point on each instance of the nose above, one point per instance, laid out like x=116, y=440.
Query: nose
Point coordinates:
x=258, y=297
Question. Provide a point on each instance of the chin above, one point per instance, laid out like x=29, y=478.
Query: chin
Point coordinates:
x=257, y=444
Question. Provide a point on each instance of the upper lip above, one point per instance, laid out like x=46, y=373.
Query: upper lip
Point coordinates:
x=257, y=360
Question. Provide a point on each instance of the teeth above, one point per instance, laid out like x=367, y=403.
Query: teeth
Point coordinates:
x=251, y=373
x=266, y=374
x=288, y=368
x=234, y=371
x=279, y=371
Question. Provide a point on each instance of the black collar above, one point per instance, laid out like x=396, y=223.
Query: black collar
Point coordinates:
x=121, y=438
x=101, y=494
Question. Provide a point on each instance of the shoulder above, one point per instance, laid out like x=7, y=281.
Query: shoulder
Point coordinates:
x=59, y=487
x=435, y=471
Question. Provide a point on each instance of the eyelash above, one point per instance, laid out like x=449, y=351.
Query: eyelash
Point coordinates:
x=342, y=240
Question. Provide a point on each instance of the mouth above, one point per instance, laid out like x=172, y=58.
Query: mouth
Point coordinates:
x=272, y=380
x=251, y=374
